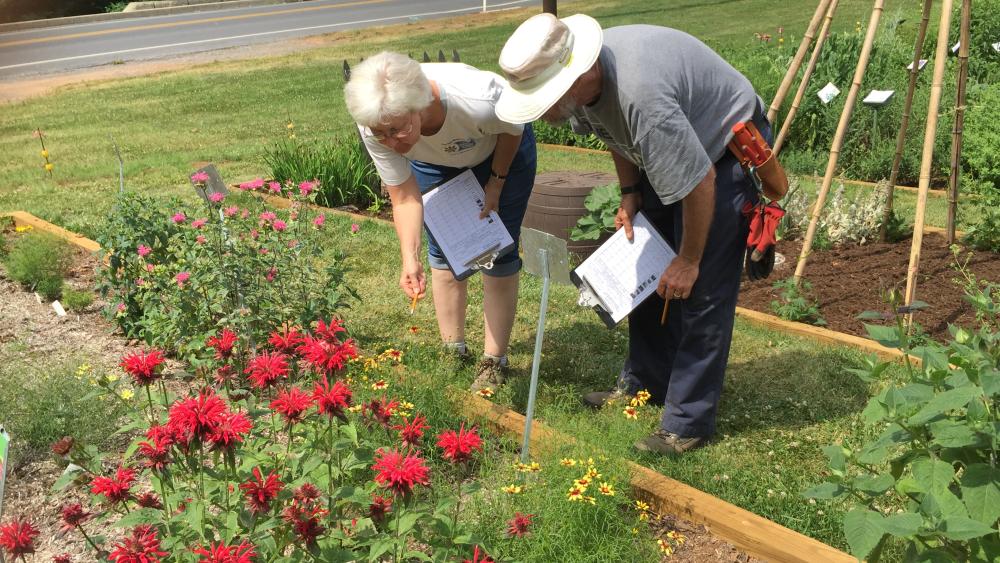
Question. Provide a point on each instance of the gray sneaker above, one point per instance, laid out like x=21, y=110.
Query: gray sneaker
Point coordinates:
x=668, y=443
x=597, y=399
x=489, y=375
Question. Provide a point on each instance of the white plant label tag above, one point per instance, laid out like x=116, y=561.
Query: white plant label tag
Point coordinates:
x=59, y=308
x=828, y=93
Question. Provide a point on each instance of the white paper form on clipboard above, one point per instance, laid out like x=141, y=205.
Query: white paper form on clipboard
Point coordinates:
x=622, y=274
x=451, y=214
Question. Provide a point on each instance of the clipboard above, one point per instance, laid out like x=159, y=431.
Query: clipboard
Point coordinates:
x=451, y=216
x=632, y=271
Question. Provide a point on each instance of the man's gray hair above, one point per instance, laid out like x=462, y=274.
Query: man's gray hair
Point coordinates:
x=386, y=86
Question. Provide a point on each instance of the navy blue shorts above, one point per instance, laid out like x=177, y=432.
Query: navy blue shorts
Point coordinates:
x=513, y=200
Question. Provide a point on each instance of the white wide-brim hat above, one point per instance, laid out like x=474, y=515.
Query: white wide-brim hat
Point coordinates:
x=542, y=59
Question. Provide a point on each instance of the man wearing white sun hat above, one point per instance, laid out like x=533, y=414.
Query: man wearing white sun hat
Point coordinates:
x=665, y=105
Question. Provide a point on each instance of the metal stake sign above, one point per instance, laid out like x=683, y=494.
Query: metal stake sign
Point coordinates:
x=545, y=256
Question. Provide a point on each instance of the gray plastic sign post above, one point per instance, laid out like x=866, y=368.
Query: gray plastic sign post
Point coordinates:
x=546, y=256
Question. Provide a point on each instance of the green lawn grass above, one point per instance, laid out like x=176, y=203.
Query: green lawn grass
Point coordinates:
x=229, y=112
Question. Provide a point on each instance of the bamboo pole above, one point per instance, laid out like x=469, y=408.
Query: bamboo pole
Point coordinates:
x=918, y=47
x=838, y=137
x=800, y=54
x=824, y=31
x=926, y=159
x=956, y=131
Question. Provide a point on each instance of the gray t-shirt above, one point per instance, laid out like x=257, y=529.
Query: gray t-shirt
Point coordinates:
x=668, y=104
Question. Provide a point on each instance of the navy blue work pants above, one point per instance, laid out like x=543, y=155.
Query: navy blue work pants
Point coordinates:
x=683, y=362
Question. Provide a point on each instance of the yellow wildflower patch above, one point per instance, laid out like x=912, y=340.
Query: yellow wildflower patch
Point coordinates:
x=567, y=462
x=606, y=489
x=485, y=392
x=513, y=489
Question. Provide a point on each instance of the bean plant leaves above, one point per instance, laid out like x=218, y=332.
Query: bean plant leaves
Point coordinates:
x=952, y=434
x=981, y=492
x=874, y=485
x=887, y=336
x=945, y=402
x=825, y=491
x=933, y=474
x=902, y=525
x=863, y=529
x=961, y=528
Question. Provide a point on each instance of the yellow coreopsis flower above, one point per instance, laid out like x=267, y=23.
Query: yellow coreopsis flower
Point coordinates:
x=380, y=385
x=641, y=506
x=45, y=153
x=665, y=547
x=567, y=462
x=485, y=392
x=606, y=489
x=575, y=494
x=513, y=489
x=676, y=537
x=22, y=229
x=643, y=397
x=631, y=413
x=592, y=473
x=582, y=483
x=126, y=394
x=355, y=408
x=112, y=377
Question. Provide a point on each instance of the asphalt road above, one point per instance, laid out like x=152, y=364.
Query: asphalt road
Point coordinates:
x=64, y=48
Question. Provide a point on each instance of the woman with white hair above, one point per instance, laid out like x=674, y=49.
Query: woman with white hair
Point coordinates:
x=424, y=123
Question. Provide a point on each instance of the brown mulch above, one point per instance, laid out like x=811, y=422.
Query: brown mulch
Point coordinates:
x=849, y=280
x=699, y=545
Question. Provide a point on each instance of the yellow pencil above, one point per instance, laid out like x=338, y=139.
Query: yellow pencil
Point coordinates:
x=666, y=307
x=413, y=304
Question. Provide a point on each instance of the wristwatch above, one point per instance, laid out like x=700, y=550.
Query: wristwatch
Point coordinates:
x=497, y=176
x=625, y=190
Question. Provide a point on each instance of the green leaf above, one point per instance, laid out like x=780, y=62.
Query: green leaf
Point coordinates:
x=874, y=485
x=903, y=525
x=411, y=555
x=825, y=491
x=380, y=548
x=838, y=461
x=943, y=402
x=952, y=434
x=140, y=516
x=863, y=529
x=981, y=492
x=407, y=521
x=990, y=381
x=887, y=336
x=871, y=316
x=71, y=472
x=943, y=504
x=963, y=529
x=933, y=474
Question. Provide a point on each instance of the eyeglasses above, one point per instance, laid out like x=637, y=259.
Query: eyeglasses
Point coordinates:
x=382, y=137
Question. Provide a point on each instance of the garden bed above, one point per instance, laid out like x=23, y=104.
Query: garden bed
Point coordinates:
x=849, y=280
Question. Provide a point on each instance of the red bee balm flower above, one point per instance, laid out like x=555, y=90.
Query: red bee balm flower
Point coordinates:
x=292, y=404
x=73, y=515
x=332, y=400
x=115, y=489
x=327, y=356
x=232, y=428
x=475, y=557
x=259, y=491
x=149, y=500
x=156, y=450
x=379, y=508
x=222, y=553
x=142, y=546
x=266, y=368
x=287, y=340
x=519, y=524
x=64, y=558
x=398, y=472
x=143, y=367
x=459, y=446
x=412, y=431
x=18, y=538
x=223, y=344
x=196, y=417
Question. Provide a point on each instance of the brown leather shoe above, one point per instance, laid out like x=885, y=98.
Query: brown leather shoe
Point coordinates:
x=597, y=399
x=489, y=375
x=668, y=443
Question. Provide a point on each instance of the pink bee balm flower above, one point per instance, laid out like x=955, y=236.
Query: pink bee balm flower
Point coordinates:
x=199, y=223
x=319, y=220
x=244, y=214
x=181, y=278
x=122, y=308
x=271, y=274
x=274, y=187
x=140, y=281
x=253, y=184
x=143, y=250
x=306, y=187
x=279, y=225
x=355, y=228
x=178, y=218
x=200, y=239
x=150, y=267
x=268, y=216
x=216, y=197
x=230, y=211
x=199, y=177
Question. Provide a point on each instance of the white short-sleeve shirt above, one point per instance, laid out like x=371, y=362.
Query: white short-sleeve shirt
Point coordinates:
x=469, y=133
